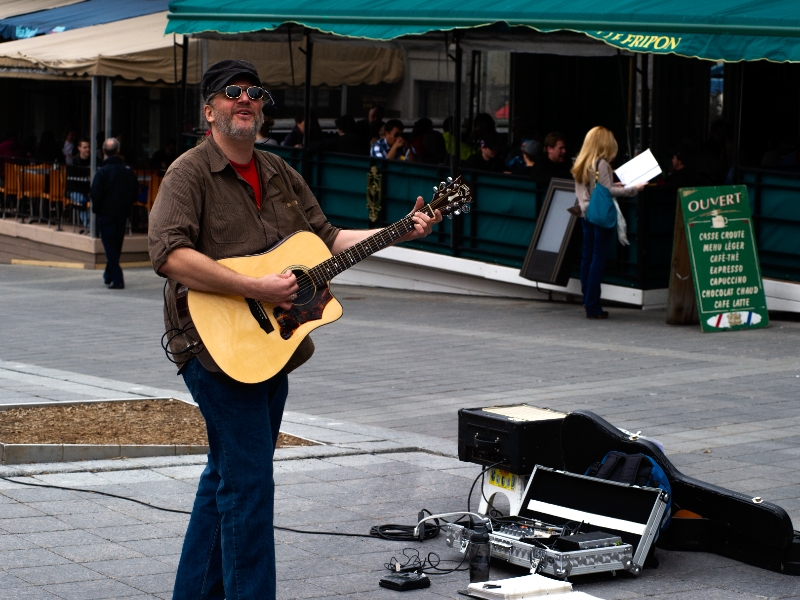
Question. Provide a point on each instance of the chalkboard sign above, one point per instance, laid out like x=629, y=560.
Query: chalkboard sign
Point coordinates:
x=725, y=266
x=552, y=249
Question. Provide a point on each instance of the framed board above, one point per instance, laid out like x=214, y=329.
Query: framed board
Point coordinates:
x=725, y=266
x=552, y=249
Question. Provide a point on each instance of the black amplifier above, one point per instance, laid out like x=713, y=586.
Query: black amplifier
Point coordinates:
x=519, y=435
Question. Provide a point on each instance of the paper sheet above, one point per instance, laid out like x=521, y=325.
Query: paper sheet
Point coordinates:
x=639, y=170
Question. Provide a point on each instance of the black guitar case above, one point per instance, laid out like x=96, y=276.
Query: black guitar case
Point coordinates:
x=732, y=524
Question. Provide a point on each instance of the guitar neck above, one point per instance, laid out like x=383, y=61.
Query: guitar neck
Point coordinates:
x=327, y=270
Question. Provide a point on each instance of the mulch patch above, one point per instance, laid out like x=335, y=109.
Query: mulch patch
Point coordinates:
x=161, y=422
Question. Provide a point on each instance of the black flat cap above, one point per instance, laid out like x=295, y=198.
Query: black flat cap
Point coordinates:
x=220, y=74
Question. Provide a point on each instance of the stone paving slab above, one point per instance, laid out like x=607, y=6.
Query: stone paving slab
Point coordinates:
x=389, y=377
x=115, y=555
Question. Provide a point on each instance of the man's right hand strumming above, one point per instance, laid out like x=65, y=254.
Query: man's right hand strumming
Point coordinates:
x=199, y=272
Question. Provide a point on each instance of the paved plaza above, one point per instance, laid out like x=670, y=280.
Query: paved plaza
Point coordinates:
x=382, y=392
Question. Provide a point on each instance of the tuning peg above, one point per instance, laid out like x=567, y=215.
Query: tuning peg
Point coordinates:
x=449, y=180
x=466, y=208
x=449, y=216
x=458, y=211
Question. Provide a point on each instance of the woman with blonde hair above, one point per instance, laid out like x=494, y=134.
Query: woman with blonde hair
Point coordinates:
x=592, y=167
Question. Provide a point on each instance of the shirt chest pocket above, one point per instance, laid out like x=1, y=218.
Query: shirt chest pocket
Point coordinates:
x=227, y=223
x=292, y=213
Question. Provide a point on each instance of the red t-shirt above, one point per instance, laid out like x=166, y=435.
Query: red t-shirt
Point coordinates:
x=249, y=173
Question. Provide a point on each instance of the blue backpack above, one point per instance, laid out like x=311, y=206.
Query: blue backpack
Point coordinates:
x=634, y=469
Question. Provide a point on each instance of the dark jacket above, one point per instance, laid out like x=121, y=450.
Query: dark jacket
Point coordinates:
x=349, y=143
x=78, y=176
x=550, y=169
x=114, y=189
x=495, y=165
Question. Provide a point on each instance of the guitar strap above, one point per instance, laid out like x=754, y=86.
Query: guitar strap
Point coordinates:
x=292, y=201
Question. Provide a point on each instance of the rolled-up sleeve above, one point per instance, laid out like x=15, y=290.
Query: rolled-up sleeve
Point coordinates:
x=175, y=216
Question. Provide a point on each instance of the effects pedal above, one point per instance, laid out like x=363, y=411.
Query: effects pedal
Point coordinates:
x=405, y=581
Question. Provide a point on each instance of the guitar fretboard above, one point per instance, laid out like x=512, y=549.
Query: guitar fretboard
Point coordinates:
x=325, y=271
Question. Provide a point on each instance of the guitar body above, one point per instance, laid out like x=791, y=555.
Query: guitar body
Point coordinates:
x=252, y=341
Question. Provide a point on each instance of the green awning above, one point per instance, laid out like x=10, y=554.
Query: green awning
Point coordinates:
x=713, y=30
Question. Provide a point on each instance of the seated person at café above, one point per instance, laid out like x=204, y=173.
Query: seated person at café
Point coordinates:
x=531, y=152
x=295, y=138
x=347, y=139
x=450, y=140
x=487, y=159
x=554, y=163
x=426, y=145
x=264, y=137
x=370, y=127
x=162, y=159
x=683, y=172
x=77, y=186
x=391, y=144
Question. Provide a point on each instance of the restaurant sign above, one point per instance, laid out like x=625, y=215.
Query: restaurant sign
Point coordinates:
x=644, y=42
x=725, y=267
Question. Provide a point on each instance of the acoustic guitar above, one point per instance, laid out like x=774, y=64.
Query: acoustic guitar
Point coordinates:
x=251, y=340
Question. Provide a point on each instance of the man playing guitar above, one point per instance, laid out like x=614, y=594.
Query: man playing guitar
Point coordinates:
x=218, y=200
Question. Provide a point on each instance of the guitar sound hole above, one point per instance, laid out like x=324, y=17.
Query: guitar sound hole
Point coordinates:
x=306, y=290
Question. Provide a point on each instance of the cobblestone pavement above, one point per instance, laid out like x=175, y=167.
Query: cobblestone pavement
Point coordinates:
x=388, y=377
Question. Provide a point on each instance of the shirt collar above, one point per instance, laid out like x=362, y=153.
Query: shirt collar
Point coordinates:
x=217, y=160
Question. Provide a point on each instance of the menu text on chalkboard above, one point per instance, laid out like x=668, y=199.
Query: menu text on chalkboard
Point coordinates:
x=725, y=266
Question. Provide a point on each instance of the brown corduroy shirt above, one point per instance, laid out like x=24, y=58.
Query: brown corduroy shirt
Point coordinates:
x=204, y=204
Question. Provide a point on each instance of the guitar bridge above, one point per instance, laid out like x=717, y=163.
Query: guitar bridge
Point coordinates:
x=257, y=310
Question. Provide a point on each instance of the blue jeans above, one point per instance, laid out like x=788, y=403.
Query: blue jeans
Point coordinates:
x=229, y=548
x=81, y=200
x=596, y=241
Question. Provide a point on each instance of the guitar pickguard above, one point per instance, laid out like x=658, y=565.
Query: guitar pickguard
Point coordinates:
x=290, y=320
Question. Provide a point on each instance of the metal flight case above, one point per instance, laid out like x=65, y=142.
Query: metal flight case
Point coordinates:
x=622, y=522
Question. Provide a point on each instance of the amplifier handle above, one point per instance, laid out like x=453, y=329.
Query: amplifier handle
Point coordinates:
x=480, y=443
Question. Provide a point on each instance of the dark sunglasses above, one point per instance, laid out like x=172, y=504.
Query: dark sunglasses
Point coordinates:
x=253, y=92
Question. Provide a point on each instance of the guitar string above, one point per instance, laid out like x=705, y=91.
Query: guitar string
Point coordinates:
x=364, y=247
x=307, y=281
x=333, y=266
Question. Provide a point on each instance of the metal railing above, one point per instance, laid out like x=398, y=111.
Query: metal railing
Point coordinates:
x=500, y=225
x=58, y=194
x=775, y=202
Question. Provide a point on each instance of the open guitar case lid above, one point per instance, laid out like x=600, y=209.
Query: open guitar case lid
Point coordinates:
x=732, y=524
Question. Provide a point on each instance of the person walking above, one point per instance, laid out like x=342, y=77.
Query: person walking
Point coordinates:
x=114, y=190
x=593, y=166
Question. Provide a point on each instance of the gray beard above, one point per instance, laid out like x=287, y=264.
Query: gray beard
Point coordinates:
x=226, y=126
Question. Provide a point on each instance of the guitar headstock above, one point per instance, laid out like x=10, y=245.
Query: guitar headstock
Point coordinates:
x=451, y=197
